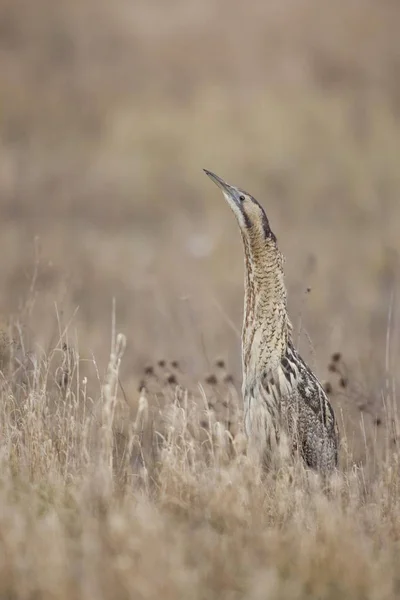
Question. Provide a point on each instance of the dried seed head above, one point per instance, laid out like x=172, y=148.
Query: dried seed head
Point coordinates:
x=328, y=387
x=343, y=382
x=161, y=363
x=336, y=356
x=142, y=386
x=228, y=378
x=332, y=368
x=220, y=363
x=149, y=370
x=63, y=380
x=211, y=379
x=171, y=379
x=174, y=364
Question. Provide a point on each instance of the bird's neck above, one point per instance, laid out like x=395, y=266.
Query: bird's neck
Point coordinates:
x=266, y=325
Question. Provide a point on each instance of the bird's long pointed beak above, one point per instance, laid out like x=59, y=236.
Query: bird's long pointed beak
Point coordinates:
x=229, y=192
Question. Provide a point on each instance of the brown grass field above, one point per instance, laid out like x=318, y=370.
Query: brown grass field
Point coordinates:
x=121, y=265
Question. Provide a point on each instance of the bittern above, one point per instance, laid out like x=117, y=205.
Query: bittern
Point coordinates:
x=286, y=410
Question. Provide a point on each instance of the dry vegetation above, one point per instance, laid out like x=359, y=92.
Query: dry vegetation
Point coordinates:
x=109, y=111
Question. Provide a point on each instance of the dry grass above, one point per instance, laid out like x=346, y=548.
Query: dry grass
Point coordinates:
x=108, y=113
x=104, y=499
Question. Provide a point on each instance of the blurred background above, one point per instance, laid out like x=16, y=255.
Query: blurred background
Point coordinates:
x=109, y=111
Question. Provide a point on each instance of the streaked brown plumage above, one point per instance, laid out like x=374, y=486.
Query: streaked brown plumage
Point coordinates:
x=286, y=409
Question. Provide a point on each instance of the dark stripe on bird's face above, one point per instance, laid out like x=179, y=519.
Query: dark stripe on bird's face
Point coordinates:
x=268, y=233
x=246, y=218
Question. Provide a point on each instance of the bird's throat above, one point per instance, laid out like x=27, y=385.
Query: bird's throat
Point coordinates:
x=266, y=326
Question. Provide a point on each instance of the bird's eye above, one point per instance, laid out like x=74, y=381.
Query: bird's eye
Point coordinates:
x=242, y=198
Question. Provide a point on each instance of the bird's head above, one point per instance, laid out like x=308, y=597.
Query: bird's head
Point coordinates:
x=250, y=215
